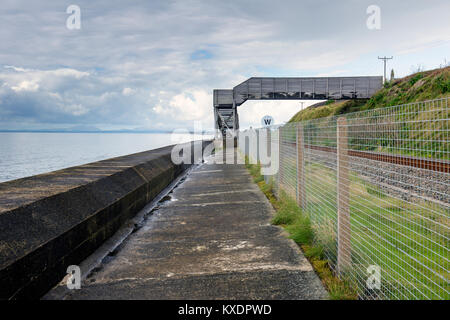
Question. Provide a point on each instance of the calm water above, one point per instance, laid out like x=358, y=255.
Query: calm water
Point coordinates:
x=27, y=154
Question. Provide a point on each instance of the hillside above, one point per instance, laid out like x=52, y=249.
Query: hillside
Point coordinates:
x=420, y=86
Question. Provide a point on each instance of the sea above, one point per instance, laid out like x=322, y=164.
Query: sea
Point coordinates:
x=24, y=154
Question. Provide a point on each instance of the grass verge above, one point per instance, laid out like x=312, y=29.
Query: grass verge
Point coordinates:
x=298, y=225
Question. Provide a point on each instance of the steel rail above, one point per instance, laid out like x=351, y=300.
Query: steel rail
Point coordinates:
x=421, y=163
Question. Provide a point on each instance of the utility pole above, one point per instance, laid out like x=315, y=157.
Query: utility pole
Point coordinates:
x=385, y=59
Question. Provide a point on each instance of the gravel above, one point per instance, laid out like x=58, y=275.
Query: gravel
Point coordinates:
x=404, y=182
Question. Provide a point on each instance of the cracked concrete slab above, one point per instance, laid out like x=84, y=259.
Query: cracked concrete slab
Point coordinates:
x=214, y=240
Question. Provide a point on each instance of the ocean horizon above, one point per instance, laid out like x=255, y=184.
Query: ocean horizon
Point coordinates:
x=25, y=153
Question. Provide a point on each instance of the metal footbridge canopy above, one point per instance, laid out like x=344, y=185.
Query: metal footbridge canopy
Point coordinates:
x=226, y=101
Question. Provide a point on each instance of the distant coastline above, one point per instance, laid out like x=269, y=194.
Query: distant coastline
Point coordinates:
x=87, y=131
x=96, y=131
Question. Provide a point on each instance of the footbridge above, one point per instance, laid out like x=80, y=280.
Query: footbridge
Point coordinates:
x=226, y=101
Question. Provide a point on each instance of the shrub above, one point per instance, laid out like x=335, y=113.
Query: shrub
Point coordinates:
x=442, y=85
x=416, y=78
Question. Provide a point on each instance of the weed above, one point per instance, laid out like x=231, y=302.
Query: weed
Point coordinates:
x=416, y=78
x=298, y=225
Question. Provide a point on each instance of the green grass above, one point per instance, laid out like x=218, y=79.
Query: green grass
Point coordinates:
x=414, y=134
x=421, y=86
x=331, y=108
x=298, y=225
x=407, y=240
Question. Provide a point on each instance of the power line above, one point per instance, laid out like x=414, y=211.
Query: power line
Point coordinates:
x=385, y=59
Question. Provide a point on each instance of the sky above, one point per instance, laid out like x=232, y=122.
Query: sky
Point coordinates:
x=142, y=65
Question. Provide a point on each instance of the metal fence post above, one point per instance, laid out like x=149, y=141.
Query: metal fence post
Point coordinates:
x=280, y=150
x=257, y=147
x=343, y=184
x=300, y=167
x=269, y=152
x=269, y=142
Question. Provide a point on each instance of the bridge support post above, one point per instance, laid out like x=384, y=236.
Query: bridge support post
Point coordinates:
x=343, y=212
x=300, y=167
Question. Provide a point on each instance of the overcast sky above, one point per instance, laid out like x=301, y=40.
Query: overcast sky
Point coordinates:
x=153, y=64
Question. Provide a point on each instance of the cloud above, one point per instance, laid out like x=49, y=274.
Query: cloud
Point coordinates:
x=155, y=63
x=201, y=55
x=128, y=91
x=16, y=69
x=26, y=86
x=62, y=96
x=22, y=79
x=191, y=105
x=75, y=109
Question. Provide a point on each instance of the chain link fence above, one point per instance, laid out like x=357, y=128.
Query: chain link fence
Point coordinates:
x=376, y=187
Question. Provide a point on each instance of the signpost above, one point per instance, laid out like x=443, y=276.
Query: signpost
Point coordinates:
x=267, y=121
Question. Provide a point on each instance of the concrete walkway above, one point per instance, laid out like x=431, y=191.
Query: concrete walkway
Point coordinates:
x=212, y=240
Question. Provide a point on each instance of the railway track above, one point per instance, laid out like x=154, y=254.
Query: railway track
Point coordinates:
x=421, y=163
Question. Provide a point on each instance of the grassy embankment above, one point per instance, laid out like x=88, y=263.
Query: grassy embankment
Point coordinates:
x=417, y=87
x=414, y=135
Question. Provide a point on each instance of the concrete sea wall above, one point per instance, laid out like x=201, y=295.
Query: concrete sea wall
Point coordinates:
x=53, y=220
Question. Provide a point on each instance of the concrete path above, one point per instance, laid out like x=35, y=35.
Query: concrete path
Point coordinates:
x=212, y=240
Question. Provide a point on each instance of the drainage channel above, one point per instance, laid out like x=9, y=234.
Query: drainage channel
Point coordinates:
x=111, y=247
